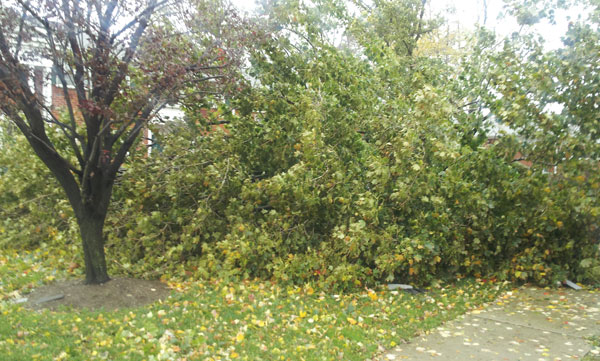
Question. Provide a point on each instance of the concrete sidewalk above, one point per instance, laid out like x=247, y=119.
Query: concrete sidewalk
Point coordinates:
x=525, y=324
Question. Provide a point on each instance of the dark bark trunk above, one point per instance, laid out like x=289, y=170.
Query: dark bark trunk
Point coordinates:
x=93, y=249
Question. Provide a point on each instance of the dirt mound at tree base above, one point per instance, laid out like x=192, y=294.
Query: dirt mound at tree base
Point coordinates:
x=114, y=294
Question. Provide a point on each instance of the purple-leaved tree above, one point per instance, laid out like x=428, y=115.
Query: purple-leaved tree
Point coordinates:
x=117, y=63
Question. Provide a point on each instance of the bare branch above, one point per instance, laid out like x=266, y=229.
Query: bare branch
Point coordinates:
x=77, y=55
x=60, y=73
x=91, y=161
x=30, y=134
x=122, y=130
x=129, y=54
x=68, y=131
x=61, y=76
x=5, y=49
x=128, y=142
x=20, y=35
x=136, y=20
x=485, y=12
x=420, y=23
x=302, y=36
x=106, y=19
x=33, y=13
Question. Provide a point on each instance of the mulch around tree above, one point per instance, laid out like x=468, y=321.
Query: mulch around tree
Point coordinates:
x=115, y=294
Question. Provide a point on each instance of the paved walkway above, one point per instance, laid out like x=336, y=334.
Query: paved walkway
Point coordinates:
x=525, y=324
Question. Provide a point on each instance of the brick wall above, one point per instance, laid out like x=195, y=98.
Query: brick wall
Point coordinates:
x=59, y=102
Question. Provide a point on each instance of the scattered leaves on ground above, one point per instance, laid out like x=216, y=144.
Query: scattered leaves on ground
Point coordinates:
x=215, y=320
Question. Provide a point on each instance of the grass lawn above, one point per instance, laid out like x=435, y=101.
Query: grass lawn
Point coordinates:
x=595, y=341
x=214, y=320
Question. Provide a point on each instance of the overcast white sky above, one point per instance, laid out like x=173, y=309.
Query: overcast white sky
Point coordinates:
x=467, y=13
x=471, y=12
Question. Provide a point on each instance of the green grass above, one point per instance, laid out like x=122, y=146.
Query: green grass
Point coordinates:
x=595, y=354
x=214, y=320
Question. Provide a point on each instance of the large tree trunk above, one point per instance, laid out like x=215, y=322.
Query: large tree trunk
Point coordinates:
x=90, y=227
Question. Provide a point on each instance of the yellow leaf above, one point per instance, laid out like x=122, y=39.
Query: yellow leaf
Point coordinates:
x=239, y=337
x=372, y=296
x=351, y=321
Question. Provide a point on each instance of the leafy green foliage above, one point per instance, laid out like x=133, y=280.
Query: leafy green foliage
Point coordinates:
x=33, y=207
x=347, y=168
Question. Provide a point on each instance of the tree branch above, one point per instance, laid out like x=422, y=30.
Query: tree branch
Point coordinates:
x=30, y=134
x=35, y=15
x=420, y=23
x=5, y=49
x=128, y=143
x=106, y=19
x=129, y=54
x=77, y=55
x=136, y=19
x=20, y=35
x=92, y=161
x=60, y=73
